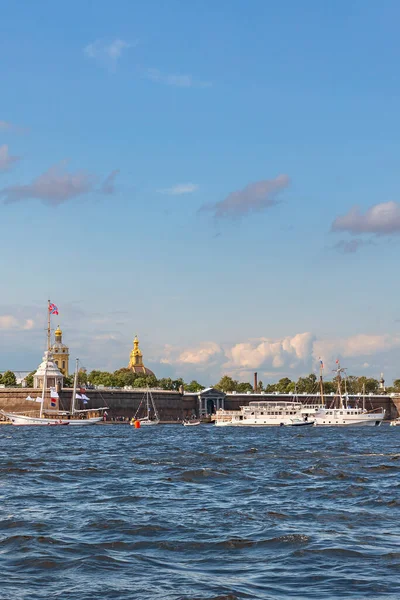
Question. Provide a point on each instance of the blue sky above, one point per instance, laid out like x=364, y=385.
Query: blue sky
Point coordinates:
x=188, y=171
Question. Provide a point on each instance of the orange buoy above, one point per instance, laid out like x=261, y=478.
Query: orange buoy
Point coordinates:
x=137, y=424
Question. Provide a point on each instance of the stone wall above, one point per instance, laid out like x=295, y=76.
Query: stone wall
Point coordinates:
x=121, y=403
x=171, y=405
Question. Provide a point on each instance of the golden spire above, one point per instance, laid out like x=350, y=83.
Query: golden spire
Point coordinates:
x=136, y=349
x=58, y=333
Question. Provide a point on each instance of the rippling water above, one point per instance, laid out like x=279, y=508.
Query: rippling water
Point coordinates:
x=204, y=512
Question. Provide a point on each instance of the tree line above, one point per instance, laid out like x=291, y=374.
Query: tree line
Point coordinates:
x=125, y=377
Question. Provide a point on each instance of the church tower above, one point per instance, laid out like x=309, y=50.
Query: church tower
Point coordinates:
x=136, y=360
x=60, y=352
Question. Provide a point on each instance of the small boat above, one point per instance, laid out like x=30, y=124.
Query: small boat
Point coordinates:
x=395, y=422
x=152, y=416
x=297, y=422
x=190, y=423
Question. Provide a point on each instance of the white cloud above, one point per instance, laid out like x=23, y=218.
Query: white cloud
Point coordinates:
x=267, y=353
x=175, y=80
x=106, y=53
x=380, y=219
x=6, y=160
x=10, y=322
x=180, y=188
x=199, y=355
x=356, y=345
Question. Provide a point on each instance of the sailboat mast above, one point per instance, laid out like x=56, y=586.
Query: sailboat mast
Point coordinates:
x=339, y=384
x=48, y=326
x=44, y=388
x=321, y=384
x=148, y=402
x=75, y=388
x=363, y=391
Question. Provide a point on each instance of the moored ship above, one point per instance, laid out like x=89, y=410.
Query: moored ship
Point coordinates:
x=264, y=413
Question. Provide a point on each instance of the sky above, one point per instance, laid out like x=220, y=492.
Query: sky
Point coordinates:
x=220, y=178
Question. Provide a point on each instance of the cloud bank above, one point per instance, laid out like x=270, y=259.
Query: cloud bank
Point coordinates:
x=255, y=197
x=380, y=219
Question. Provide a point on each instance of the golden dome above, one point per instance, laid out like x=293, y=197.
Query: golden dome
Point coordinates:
x=58, y=331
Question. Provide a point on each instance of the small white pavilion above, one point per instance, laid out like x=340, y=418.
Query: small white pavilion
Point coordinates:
x=54, y=377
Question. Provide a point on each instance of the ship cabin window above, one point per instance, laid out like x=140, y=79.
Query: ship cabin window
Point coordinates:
x=252, y=413
x=262, y=413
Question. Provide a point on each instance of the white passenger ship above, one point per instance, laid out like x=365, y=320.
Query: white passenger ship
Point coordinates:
x=264, y=413
x=343, y=414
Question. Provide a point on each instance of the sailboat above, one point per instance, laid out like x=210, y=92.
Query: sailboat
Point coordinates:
x=343, y=414
x=80, y=417
x=52, y=415
x=151, y=414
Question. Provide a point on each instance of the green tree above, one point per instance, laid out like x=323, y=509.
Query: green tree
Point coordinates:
x=140, y=382
x=178, y=384
x=68, y=381
x=307, y=384
x=29, y=379
x=102, y=378
x=371, y=385
x=193, y=386
x=284, y=385
x=260, y=386
x=243, y=388
x=227, y=384
x=166, y=383
x=9, y=379
x=396, y=385
x=124, y=377
x=1, y=378
x=270, y=388
x=82, y=377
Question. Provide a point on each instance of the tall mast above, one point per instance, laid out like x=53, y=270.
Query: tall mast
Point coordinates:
x=44, y=387
x=339, y=383
x=75, y=387
x=321, y=382
x=363, y=391
x=48, y=326
x=148, y=402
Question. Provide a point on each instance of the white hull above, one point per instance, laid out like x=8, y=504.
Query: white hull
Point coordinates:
x=395, y=423
x=350, y=417
x=25, y=420
x=263, y=414
x=146, y=422
x=189, y=424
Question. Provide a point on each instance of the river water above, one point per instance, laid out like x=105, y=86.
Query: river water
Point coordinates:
x=190, y=513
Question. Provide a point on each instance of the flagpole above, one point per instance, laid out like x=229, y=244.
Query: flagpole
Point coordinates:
x=48, y=326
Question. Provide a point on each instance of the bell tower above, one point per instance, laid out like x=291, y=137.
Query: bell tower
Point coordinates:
x=60, y=352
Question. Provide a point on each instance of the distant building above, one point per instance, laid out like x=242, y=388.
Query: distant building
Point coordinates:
x=136, y=360
x=54, y=377
x=60, y=352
